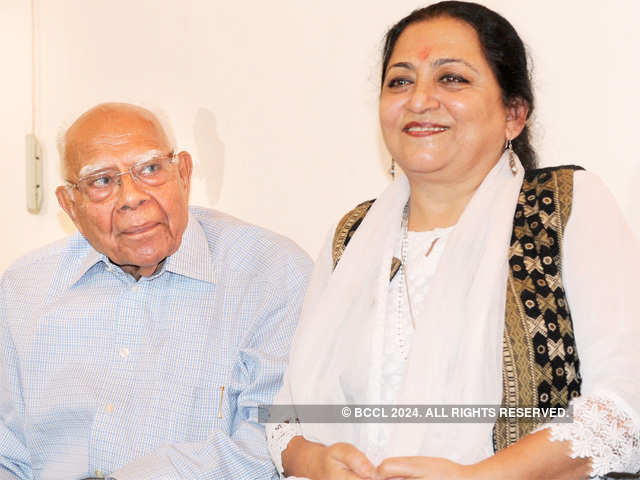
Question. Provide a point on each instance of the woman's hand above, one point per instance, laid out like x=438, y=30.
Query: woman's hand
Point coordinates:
x=532, y=458
x=343, y=461
x=340, y=461
x=425, y=468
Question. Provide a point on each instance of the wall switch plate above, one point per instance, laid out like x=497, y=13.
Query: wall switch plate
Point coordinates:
x=34, y=174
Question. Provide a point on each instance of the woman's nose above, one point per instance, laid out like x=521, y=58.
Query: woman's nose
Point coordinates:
x=423, y=97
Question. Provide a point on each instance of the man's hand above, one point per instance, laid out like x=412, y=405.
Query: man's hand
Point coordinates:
x=340, y=461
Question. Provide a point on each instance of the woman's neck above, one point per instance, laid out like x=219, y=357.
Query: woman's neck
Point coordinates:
x=438, y=205
x=438, y=198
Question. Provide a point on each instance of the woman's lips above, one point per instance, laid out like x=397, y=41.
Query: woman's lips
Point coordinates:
x=423, y=129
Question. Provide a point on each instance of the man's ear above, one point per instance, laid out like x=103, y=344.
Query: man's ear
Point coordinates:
x=67, y=203
x=185, y=166
x=517, y=112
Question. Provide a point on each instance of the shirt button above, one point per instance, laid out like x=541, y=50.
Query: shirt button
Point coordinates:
x=109, y=407
x=124, y=352
x=134, y=289
x=99, y=474
x=109, y=268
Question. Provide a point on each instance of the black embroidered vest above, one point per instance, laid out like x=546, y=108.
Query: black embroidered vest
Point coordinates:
x=540, y=361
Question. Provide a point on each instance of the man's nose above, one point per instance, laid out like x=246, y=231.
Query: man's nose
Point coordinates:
x=131, y=193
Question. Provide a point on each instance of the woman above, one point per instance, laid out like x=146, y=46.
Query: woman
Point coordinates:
x=516, y=285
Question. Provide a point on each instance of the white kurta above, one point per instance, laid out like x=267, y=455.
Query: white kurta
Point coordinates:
x=600, y=265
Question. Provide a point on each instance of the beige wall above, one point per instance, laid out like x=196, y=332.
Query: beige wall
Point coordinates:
x=277, y=102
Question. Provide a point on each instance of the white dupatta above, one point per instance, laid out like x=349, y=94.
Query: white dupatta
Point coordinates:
x=456, y=354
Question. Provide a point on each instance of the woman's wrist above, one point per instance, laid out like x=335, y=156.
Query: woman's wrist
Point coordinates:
x=483, y=470
x=533, y=456
x=300, y=457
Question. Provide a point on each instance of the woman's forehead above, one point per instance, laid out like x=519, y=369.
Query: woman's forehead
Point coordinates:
x=435, y=37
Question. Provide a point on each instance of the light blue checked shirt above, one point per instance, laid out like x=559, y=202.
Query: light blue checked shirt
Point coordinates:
x=103, y=376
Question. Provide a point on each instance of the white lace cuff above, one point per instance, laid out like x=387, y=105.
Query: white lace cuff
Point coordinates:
x=278, y=437
x=603, y=428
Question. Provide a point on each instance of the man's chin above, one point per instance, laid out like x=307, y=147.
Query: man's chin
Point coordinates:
x=142, y=270
x=142, y=264
x=145, y=252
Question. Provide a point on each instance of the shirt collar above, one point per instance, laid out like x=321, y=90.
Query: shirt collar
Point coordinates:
x=192, y=259
x=91, y=258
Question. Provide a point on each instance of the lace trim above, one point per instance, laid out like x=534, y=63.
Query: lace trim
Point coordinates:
x=604, y=430
x=278, y=437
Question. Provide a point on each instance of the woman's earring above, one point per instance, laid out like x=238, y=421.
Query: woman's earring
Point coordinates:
x=392, y=170
x=512, y=161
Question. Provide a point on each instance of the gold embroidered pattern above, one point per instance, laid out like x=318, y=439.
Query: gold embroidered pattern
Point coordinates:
x=347, y=226
x=540, y=362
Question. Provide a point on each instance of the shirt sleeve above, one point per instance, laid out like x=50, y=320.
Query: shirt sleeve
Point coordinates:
x=15, y=460
x=278, y=437
x=601, y=264
x=243, y=455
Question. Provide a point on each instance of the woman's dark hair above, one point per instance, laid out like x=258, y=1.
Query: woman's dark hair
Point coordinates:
x=502, y=47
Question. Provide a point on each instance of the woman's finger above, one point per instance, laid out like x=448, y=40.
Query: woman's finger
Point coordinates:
x=354, y=460
x=398, y=467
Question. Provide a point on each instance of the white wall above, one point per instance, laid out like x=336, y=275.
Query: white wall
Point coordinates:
x=277, y=101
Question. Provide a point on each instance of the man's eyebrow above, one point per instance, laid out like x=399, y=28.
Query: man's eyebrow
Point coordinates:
x=106, y=165
x=149, y=155
x=443, y=61
x=93, y=168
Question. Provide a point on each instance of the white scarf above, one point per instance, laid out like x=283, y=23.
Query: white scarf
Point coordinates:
x=456, y=354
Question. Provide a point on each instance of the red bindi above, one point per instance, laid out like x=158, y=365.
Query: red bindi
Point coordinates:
x=424, y=53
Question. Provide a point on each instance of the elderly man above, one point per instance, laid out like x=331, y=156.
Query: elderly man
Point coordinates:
x=140, y=347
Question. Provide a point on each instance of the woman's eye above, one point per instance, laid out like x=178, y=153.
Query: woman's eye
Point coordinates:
x=453, y=78
x=398, y=82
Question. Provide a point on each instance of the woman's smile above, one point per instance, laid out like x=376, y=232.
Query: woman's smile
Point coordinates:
x=423, y=129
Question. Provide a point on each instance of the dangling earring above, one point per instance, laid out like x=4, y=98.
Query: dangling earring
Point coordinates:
x=392, y=170
x=512, y=162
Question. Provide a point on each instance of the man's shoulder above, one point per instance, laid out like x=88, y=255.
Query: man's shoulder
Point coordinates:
x=43, y=262
x=235, y=241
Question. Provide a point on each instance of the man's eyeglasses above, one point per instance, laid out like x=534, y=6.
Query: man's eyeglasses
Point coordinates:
x=102, y=185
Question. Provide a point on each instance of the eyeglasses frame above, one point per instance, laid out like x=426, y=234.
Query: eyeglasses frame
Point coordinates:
x=173, y=158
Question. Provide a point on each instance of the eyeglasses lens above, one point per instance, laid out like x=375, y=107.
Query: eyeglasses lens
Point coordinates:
x=103, y=185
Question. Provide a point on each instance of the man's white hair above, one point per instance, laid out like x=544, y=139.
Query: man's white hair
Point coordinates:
x=61, y=135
